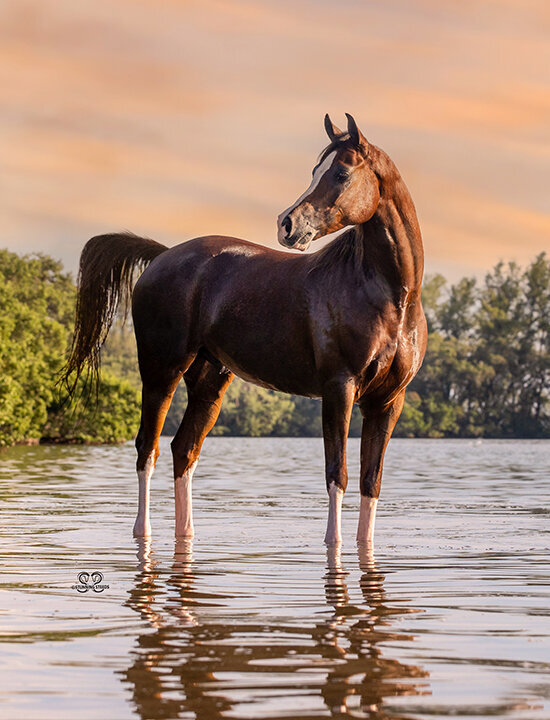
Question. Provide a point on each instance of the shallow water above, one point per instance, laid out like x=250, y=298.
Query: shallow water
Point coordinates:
x=450, y=617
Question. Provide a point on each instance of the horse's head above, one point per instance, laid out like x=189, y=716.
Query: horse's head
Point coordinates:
x=344, y=190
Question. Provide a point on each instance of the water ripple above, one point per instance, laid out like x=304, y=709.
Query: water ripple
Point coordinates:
x=254, y=619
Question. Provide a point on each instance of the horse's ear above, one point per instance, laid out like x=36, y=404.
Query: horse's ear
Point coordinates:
x=356, y=136
x=332, y=131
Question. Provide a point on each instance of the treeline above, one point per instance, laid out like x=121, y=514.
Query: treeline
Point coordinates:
x=486, y=372
x=487, y=368
x=37, y=300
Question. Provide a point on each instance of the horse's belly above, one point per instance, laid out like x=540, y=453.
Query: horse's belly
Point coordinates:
x=260, y=369
x=265, y=352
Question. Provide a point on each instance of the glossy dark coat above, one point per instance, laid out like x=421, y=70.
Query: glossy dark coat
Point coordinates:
x=344, y=324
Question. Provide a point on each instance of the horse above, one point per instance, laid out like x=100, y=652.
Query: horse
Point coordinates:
x=344, y=324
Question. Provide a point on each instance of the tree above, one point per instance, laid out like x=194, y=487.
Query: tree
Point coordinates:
x=513, y=338
x=113, y=418
x=37, y=299
x=487, y=368
x=486, y=371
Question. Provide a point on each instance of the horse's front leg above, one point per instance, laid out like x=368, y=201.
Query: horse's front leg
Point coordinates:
x=337, y=405
x=377, y=428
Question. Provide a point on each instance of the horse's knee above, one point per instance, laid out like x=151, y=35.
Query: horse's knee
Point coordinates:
x=336, y=474
x=183, y=455
x=340, y=483
x=147, y=446
x=371, y=482
x=145, y=453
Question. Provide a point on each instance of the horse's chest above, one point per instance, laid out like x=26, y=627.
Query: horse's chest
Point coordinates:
x=396, y=364
x=355, y=339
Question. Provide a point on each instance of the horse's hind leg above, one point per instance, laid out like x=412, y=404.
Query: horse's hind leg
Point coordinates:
x=377, y=428
x=156, y=398
x=206, y=385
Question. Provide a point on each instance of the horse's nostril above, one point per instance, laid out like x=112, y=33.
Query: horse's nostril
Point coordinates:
x=287, y=224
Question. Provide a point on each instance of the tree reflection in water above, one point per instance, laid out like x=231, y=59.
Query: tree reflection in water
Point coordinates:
x=199, y=660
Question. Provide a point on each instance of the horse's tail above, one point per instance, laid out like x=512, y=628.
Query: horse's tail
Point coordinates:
x=108, y=264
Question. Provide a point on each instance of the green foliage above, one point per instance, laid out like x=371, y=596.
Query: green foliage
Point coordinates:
x=486, y=371
x=253, y=411
x=249, y=410
x=114, y=418
x=38, y=300
x=487, y=368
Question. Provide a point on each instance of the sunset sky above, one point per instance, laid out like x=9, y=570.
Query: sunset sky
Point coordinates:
x=176, y=119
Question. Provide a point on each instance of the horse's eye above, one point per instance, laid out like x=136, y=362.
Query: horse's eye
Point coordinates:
x=342, y=176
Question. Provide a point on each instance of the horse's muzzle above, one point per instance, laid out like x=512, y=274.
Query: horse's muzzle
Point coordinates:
x=301, y=243
x=293, y=236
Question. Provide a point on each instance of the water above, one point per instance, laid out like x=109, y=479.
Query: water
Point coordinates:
x=450, y=617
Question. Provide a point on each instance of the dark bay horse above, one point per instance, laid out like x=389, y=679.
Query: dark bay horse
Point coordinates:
x=344, y=324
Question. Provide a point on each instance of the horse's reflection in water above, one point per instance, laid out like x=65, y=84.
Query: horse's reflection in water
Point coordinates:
x=358, y=634
x=198, y=661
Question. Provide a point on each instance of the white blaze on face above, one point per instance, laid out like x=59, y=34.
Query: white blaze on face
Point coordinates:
x=184, y=504
x=334, y=524
x=317, y=175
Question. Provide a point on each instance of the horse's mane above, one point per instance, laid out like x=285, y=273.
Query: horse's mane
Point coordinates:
x=347, y=247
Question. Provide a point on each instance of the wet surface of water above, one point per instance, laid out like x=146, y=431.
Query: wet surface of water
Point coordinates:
x=254, y=619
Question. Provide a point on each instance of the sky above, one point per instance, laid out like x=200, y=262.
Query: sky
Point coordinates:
x=176, y=119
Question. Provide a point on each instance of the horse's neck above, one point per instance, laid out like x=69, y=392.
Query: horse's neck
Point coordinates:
x=392, y=238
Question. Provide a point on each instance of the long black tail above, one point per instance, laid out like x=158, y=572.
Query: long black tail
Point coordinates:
x=108, y=265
